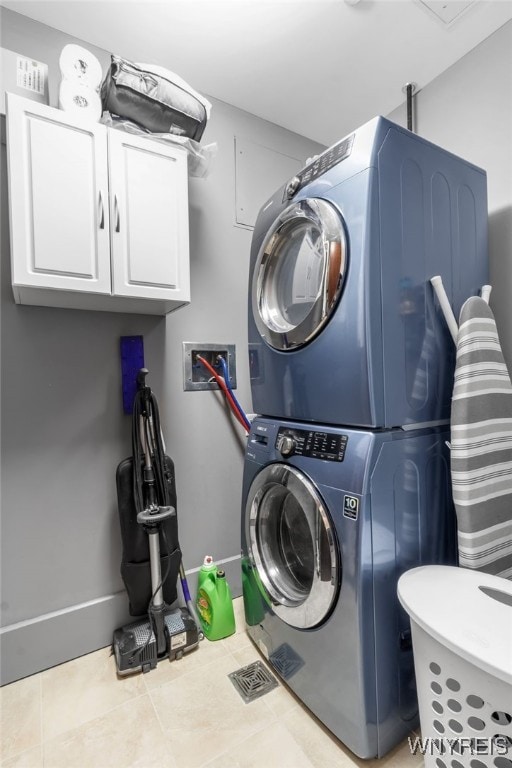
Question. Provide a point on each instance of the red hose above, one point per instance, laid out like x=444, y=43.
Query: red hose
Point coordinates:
x=222, y=384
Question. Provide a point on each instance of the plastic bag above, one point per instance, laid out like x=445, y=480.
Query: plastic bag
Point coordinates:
x=200, y=158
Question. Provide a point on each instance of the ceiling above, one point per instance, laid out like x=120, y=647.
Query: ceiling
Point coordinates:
x=317, y=67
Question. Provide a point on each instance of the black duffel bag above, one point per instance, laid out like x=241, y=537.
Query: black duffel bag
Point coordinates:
x=154, y=98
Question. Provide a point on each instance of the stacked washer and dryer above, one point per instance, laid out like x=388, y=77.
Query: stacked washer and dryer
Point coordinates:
x=347, y=477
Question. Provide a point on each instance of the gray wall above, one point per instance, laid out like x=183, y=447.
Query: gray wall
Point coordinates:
x=63, y=429
x=468, y=110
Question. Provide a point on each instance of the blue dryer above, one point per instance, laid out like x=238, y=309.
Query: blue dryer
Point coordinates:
x=343, y=325
x=331, y=517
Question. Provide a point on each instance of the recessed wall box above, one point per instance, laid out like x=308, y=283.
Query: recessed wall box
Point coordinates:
x=195, y=375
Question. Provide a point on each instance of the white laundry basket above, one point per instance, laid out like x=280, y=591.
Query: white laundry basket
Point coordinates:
x=461, y=624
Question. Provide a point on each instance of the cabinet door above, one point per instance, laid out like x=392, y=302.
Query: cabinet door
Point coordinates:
x=149, y=218
x=58, y=188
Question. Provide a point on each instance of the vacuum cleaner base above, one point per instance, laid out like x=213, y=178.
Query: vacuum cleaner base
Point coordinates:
x=135, y=646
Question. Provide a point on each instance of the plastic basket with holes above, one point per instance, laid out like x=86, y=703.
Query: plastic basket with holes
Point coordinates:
x=461, y=624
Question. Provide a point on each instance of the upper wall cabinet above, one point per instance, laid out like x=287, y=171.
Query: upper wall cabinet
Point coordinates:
x=99, y=217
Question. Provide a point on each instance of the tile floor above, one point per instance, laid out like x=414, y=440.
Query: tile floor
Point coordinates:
x=183, y=714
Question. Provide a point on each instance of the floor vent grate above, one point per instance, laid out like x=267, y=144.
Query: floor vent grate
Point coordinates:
x=253, y=681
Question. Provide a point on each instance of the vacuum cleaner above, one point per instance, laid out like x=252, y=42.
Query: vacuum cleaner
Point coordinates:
x=152, y=560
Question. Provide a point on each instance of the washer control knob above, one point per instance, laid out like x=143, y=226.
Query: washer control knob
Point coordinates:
x=286, y=445
x=292, y=187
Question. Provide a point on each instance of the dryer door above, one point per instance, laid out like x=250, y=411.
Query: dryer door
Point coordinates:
x=292, y=545
x=299, y=273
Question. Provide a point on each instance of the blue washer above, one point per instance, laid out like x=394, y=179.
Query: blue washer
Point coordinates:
x=331, y=517
x=343, y=324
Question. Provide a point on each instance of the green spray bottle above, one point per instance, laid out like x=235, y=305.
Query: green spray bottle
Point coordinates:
x=214, y=602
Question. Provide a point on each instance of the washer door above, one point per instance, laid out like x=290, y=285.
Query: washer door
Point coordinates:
x=299, y=273
x=292, y=545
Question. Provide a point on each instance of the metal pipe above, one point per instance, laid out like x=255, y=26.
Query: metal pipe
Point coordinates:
x=485, y=292
x=409, y=106
x=156, y=574
x=444, y=303
x=409, y=89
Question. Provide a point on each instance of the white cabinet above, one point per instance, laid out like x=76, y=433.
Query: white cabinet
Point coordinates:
x=99, y=217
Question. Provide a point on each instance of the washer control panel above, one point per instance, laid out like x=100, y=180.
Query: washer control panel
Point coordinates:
x=314, y=445
x=320, y=165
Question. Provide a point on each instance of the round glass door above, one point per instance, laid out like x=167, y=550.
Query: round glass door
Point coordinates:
x=292, y=545
x=299, y=273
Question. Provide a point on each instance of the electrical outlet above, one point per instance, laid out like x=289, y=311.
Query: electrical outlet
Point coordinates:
x=196, y=375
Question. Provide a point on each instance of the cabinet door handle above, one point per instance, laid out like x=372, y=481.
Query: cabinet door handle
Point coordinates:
x=101, y=210
x=116, y=214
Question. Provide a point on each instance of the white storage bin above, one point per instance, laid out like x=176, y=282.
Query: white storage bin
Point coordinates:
x=461, y=624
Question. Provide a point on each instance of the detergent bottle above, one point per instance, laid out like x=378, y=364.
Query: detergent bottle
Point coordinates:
x=253, y=594
x=214, y=602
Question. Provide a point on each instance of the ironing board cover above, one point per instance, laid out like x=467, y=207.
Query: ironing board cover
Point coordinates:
x=481, y=444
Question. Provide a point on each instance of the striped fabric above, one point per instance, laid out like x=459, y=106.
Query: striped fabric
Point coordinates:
x=481, y=444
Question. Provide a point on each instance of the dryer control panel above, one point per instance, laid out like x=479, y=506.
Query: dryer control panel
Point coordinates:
x=319, y=166
x=313, y=444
